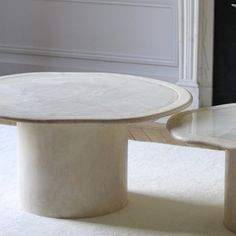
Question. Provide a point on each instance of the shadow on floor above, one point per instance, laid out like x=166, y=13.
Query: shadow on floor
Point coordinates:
x=146, y=212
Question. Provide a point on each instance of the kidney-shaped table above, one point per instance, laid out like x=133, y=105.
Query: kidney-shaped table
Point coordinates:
x=72, y=136
x=212, y=127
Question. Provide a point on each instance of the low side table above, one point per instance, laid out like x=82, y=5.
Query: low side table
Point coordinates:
x=213, y=127
x=72, y=136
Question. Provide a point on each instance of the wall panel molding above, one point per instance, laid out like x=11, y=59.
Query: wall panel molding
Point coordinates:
x=19, y=63
x=134, y=3
x=48, y=52
x=170, y=59
x=123, y=36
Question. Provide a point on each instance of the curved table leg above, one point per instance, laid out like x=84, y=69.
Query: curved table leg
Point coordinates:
x=230, y=191
x=72, y=170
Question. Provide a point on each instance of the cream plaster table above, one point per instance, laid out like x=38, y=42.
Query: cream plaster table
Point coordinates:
x=213, y=127
x=72, y=136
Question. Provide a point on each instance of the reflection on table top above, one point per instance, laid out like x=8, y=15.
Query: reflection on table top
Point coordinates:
x=211, y=126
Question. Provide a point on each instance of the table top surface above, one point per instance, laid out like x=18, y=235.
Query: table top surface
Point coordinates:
x=213, y=126
x=76, y=97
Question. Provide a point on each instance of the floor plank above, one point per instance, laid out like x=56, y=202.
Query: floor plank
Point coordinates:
x=138, y=134
x=154, y=135
x=152, y=132
x=155, y=132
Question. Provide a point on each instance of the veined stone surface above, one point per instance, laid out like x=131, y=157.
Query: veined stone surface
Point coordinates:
x=88, y=97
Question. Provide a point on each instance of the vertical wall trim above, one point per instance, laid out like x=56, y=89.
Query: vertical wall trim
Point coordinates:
x=196, y=49
x=188, y=53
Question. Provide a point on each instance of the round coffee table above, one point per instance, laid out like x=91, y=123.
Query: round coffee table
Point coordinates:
x=72, y=136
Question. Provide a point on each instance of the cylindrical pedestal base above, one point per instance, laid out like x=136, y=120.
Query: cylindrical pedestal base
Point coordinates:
x=230, y=191
x=72, y=170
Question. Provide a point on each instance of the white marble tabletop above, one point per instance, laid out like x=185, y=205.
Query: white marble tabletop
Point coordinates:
x=212, y=126
x=102, y=97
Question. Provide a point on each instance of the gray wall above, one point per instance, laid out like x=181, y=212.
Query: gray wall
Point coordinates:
x=125, y=36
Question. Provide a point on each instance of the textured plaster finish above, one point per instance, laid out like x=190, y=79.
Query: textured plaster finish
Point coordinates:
x=75, y=97
x=72, y=170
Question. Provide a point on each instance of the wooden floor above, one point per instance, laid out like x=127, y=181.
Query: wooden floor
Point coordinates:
x=152, y=132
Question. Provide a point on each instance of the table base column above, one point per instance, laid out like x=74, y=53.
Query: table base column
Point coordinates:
x=230, y=191
x=72, y=170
